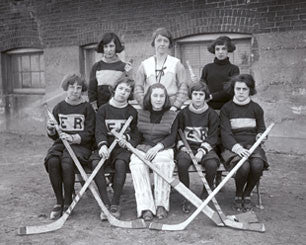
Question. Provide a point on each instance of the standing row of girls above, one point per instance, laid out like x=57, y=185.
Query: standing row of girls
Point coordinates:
x=161, y=90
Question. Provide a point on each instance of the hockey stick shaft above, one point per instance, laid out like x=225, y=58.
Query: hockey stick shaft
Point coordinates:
x=184, y=224
x=177, y=185
x=200, y=173
x=190, y=68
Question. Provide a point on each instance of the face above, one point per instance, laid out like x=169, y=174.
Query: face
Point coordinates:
x=221, y=52
x=109, y=49
x=122, y=92
x=161, y=44
x=198, y=99
x=242, y=91
x=158, y=99
x=74, y=91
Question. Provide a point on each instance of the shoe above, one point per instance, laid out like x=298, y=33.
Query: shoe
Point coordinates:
x=186, y=207
x=115, y=211
x=238, y=204
x=103, y=216
x=161, y=212
x=147, y=215
x=56, y=211
x=247, y=204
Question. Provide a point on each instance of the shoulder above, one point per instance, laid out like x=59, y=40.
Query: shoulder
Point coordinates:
x=227, y=106
x=256, y=106
x=173, y=59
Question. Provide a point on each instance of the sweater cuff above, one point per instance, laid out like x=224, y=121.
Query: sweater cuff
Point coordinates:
x=51, y=132
x=204, y=151
x=101, y=143
x=206, y=146
x=179, y=145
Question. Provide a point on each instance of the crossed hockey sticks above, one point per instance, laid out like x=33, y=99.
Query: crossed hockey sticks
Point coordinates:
x=233, y=219
x=201, y=206
x=244, y=226
x=27, y=230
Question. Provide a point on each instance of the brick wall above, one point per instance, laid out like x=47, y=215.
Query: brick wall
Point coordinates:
x=53, y=23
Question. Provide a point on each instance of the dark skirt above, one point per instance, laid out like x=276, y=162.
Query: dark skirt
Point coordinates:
x=230, y=159
x=210, y=155
x=58, y=150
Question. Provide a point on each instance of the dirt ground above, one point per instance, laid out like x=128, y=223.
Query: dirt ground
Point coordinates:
x=26, y=198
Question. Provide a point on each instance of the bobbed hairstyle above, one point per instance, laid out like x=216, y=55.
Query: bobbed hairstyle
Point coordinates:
x=71, y=79
x=222, y=40
x=243, y=78
x=126, y=80
x=163, y=32
x=107, y=38
x=147, y=105
x=199, y=86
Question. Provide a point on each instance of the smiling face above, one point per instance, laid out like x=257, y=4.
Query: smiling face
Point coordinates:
x=74, y=91
x=242, y=91
x=158, y=99
x=221, y=52
x=109, y=50
x=161, y=44
x=198, y=99
x=122, y=92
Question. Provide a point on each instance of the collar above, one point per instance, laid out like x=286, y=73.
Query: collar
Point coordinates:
x=116, y=59
x=222, y=62
x=117, y=104
x=198, y=111
x=74, y=102
x=247, y=101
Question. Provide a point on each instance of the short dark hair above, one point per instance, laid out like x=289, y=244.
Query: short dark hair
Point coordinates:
x=163, y=32
x=126, y=80
x=107, y=38
x=222, y=40
x=147, y=98
x=199, y=86
x=70, y=79
x=243, y=78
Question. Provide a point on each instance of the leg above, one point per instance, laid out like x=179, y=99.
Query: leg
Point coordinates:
x=142, y=186
x=55, y=175
x=211, y=166
x=101, y=183
x=183, y=164
x=256, y=168
x=67, y=165
x=119, y=179
x=163, y=161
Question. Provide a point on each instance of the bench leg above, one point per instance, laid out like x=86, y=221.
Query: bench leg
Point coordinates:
x=259, y=204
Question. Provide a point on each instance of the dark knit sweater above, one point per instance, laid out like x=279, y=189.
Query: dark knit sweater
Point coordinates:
x=199, y=128
x=215, y=75
x=102, y=76
x=157, y=127
x=241, y=123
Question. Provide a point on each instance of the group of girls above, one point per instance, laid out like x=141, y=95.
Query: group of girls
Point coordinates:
x=160, y=90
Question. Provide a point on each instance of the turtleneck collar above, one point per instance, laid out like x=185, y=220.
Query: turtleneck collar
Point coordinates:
x=117, y=104
x=74, y=102
x=199, y=110
x=247, y=101
x=221, y=62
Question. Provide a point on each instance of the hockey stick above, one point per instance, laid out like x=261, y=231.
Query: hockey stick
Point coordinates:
x=251, y=226
x=60, y=222
x=227, y=220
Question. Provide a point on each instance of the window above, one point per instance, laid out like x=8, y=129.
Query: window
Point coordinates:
x=194, y=49
x=25, y=71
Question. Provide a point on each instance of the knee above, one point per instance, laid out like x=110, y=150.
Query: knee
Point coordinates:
x=244, y=170
x=210, y=166
x=120, y=166
x=257, y=165
x=67, y=165
x=183, y=164
x=54, y=164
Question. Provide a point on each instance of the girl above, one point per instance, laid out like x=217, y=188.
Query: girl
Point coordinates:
x=242, y=122
x=162, y=68
x=200, y=125
x=108, y=71
x=218, y=73
x=158, y=127
x=113, y=115
x=76, y=119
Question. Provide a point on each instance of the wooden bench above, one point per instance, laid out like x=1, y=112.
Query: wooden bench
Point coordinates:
x=221, y=171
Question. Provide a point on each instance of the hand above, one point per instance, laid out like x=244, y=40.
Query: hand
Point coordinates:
x=94, y=106
x=184, y=149
x=122, y=141
x=210, y=98
x=50, y=124
x=66, y=137
x=194, y=79
x=242, y=152
x=173, y=108
x=128, y=67
x=153, y=151
x=199, y=156
x=104, y=152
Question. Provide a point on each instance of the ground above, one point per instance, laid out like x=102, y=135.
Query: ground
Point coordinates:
x=26, y=198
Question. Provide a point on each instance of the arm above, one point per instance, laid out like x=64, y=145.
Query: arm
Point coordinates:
x=182, y=92
x=134, y=135
x=101, y=129
x=52, y=133
x=260, y=122
x=227, y=137
x=180, y=144
x=213, y=132
x=139, y=85
x=93, y=87
x=87, y=135
x=169, y=140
